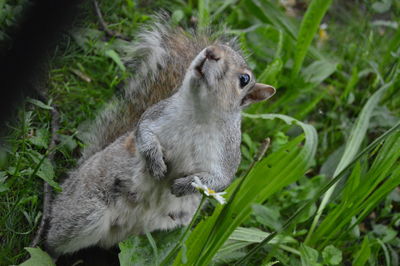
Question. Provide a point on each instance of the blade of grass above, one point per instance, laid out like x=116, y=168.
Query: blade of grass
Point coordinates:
x=333, y=181
x=373, y=185
x=204, y=14
x=309, y=26
x=353, y=145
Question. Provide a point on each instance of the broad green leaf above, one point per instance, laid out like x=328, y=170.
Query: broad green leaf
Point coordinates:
x=177, y=16
x=382, y=6
x=243, y=237
x=267, y=216
x=264, y=41
x=318, y=71
x=309, y=26
x=139, y=250
x=154, y=247
x=385, y=233
x=332, y=255
x=46, y=172
x=68, y=142
x=129, y=253
x=268, y=12
x=309, y=256
x=41, y=138
x=38, y=258
x=278, y=140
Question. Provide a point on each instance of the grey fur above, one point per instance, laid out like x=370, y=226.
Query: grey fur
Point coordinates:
x=141, y=182
x=160, y=56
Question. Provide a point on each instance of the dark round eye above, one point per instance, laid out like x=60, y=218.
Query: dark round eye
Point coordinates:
x=244, y=80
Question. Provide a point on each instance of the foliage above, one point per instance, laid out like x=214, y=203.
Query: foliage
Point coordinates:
x=38, y=257
x=340, y=81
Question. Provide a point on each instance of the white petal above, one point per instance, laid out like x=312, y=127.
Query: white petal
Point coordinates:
x=219, y=198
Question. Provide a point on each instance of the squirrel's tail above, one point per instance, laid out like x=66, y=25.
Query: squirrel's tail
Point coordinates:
x=159, y=59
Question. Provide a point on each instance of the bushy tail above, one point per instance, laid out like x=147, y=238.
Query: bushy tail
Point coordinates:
x=159, y=59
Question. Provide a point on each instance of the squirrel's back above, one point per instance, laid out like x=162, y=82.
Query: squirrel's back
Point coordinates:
x=159, y=59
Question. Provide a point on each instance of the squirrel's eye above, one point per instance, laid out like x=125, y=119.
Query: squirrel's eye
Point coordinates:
x=244, y=80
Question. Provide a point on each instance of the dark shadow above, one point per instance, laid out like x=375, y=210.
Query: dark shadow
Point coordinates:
x=93, y=256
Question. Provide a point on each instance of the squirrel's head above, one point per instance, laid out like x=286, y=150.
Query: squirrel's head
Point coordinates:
x=222, y=75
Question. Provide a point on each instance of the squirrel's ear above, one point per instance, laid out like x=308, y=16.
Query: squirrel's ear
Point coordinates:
x=259, y=92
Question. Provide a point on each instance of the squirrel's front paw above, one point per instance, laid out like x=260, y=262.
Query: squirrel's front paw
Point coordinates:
x=156, y=164
x=183, y=186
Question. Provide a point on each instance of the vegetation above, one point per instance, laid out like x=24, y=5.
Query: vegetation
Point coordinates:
x=327, y=190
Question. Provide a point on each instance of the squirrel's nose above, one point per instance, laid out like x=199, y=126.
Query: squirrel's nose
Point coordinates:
x=213, y=53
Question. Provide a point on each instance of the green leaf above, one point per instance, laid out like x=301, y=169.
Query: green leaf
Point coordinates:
x=267, y=12
x=115, y=57
x=177, y=16
x=278, y=140
x=38, y=258
x=139, y=250
x=267, y=216
x=41, y=138
x=264, y=41
x=363, y=254
x=269, y=75
x=318, y=71
x=309, y=256
x=40, y=104
x=332, y=255
x=204, y=13
x=3, y=186
x=154, y=247
x=128, y=250
x=46, y=172
x=309, y=26
x=382, y=6
x=68, y=142
x=243, y=237
x=385, y=233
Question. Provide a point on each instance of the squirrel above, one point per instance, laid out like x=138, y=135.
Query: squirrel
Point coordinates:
x=179, y=118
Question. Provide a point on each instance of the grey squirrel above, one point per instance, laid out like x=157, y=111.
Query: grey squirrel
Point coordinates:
x=179, y=118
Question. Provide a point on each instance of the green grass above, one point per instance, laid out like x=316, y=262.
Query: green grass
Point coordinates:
x=343, y=89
